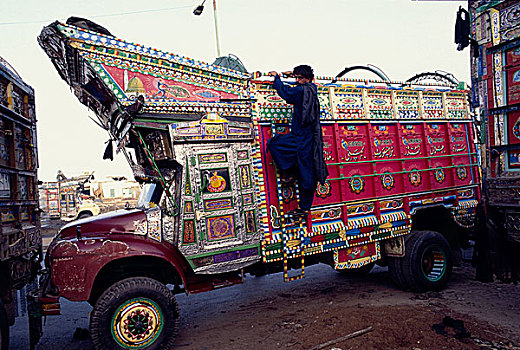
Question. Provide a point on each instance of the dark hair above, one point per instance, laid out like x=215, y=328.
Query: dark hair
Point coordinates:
x=304, y=70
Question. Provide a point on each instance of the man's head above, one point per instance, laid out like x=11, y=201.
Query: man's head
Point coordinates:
x=303, y=74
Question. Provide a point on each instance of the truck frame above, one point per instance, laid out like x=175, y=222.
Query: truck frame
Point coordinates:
x=403, y=185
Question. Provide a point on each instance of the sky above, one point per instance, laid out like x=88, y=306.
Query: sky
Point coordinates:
x=401, y=37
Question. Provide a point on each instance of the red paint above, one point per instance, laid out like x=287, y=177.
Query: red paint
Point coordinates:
x=74, y=263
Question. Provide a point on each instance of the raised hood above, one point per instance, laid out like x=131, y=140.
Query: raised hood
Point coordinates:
x=118, y=79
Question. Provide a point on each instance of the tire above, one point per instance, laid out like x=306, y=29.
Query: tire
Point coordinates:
x=128, y=305
x=84, y=215
x=358, y=272
x=428, y=262
x=4, y=328
x=396, y=272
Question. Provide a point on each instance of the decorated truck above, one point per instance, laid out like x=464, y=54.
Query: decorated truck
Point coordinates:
x=402, y=189
x=492, y=28
x=20, y=235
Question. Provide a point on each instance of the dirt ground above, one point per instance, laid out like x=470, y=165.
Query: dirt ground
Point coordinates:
x=266, y=313
x=307, y=314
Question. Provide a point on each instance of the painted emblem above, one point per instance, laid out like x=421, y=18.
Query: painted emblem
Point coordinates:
x=221, y=227
x=415, y=177
x=249, y=216
x=379, y=102
x=287, y=193
x=387, y=180
x=357, y=184
x=207, y=95
x=348, y=101
x=439, y=175
x=243, y=155
x=218, y=204
x=462, y=173
x=516, y=76
x=245, y=176
x=164, y=89
x=516, y=129
x=323, y=190
x=188, y=232
x=216, y=183
x=274, y=98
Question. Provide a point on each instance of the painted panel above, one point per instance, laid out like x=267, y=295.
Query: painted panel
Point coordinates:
x=432, y=104
x=379, y=104
x=348, y=103
x=385, y=150
x=407, y=104
x=215, y=180
x=441, y=174
x=415, y=164
x=220, y=228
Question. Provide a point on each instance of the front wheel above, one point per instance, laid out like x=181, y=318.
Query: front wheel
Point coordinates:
x=135, y=313
x=428, y=263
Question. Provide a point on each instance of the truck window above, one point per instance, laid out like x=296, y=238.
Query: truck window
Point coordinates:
x=150, y=196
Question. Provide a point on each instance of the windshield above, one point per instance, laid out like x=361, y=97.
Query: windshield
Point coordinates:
x=150, y=196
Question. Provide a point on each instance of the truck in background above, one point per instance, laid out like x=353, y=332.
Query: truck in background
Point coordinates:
x=82, y=196
x=492, y=30
x=20, y=235
x=403, y=186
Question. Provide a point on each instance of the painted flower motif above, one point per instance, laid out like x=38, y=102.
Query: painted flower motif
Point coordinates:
x=323, y=190
x=462, y=173
x=415, y=177
x=439, y=175
x=388, y=181
x=357, y=184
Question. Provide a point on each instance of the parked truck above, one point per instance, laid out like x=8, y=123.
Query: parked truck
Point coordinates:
x=20, y=236
x=492, y=31
x=402, y=190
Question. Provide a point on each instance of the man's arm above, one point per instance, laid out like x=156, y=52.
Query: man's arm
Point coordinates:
x=292, y=95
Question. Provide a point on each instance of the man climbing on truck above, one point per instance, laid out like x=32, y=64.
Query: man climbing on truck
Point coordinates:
x=301, y=150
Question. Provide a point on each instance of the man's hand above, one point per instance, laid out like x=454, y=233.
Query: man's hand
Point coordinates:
x=272, y=73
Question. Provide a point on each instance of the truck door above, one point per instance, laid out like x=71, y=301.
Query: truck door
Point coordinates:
x=224, y=197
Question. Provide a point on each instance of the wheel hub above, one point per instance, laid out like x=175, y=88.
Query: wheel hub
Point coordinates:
x=434, y=263
x=137, y=323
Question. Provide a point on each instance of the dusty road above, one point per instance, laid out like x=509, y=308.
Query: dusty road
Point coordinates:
x=266, y=313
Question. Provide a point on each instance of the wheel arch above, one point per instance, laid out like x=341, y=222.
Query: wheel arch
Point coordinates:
x=439, y=218
x=134, y=266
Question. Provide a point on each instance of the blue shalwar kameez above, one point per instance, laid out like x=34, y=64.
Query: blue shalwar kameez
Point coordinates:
x=296, y=147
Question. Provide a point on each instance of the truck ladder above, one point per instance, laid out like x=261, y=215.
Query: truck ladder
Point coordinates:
x=292, y=240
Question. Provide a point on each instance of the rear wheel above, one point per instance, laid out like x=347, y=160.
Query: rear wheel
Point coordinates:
x=4, y=328
x=396, y=272
x=428, y=263
x=135, y=313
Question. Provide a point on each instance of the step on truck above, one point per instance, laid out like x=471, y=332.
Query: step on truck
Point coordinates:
x=402, y=189
x=20, y=235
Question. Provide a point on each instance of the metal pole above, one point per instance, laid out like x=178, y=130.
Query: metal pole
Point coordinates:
x=216, y=26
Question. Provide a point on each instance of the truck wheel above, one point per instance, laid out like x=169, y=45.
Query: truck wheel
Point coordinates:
x=359, y=272
x=428, y=262
x=4, y=328
x=84, y=214
x=395, y=269
x=135, y=313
